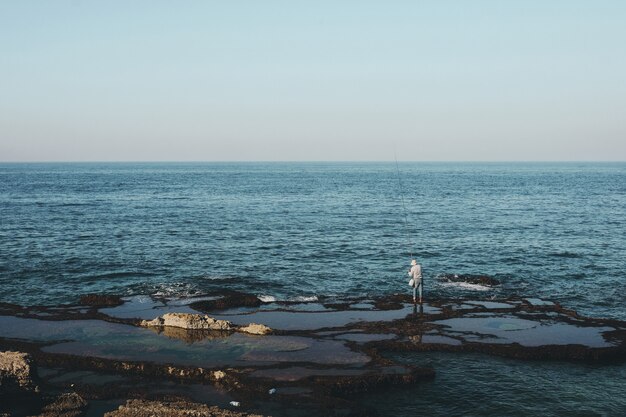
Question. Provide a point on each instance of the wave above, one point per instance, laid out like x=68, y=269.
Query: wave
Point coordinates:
x=221, y=278
x=122, y=274
x=298, y=299
x=304, y=299
x=466, y=286
x=169, y=290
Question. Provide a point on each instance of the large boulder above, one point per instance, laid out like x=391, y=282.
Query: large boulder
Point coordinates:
x=16, y=372
x=188, y=321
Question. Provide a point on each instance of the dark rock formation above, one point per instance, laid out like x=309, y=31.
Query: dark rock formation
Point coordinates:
x=231, y=299
x=100, y=300
x=66, y=405
x=392, y=302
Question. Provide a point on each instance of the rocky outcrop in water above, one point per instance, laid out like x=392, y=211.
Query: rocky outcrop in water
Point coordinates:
x=100, y=300
x=188, y=321
x=142, y=408
x=254, y=328
x=16, y=372
x=231, y=299
x=66, y=405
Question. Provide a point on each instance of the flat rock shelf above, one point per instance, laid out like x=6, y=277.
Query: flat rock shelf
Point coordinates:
x=313, y=357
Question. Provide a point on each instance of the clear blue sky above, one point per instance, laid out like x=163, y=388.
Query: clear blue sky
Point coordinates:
x=316, y=80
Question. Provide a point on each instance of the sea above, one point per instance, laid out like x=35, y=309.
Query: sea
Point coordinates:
x=318, y=230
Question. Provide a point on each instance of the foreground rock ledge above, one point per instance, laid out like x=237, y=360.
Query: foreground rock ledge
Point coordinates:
x=66, y=405
x=16, y=372
x=202, y=322
x=142, y=408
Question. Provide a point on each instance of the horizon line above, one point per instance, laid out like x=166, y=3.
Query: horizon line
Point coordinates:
x=307, y=161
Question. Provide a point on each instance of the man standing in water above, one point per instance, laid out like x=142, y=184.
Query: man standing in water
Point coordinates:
x=416, y=279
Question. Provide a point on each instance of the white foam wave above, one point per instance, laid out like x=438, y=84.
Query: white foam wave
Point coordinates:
x=304, y=299
x=176, y=289
x=466, y=286
x=300, y=299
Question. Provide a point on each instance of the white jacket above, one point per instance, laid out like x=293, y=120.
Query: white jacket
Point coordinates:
x=416, y=274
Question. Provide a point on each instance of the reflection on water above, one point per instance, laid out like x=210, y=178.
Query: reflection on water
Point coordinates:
x=511, y=329
x=121, y=342
x=287, y=320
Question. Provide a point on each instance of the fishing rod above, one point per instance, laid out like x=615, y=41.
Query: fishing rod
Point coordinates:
x=406, y=219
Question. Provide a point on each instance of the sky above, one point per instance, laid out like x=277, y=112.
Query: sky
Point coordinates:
x=439, y=80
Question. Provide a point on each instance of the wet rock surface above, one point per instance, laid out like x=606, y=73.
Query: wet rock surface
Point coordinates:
x=142, y=408
x=16, y=373
x=100, y=300
x=66, y=405
x=228, y=300
x=319, y=356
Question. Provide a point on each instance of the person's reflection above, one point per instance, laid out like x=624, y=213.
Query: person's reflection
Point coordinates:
x=421, y=315
x=417, y=338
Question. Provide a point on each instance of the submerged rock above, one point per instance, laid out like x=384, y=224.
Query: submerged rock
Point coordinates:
x=232, y=299
x=188, y=321
x=254, y=328
x=100, y=300
x=16, y=372
x=142, y=408
x=66, y=405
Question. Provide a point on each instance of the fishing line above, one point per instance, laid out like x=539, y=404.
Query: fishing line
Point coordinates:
x=406, y=218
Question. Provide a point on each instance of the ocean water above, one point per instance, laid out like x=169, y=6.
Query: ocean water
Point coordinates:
x=305, y=230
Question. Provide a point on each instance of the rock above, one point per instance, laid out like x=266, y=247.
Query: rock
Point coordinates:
x=217, y=375
x=143, y=408
x=100, y=300
x=66, y=405
x=188, y=321
x=392, y=302
x=231, y=300
x=16, y=372
x=254, y=328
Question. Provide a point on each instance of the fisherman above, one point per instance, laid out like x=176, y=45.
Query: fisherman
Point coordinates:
x=416, y=279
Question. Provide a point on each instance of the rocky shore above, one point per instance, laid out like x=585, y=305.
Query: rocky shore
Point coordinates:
x=234, y=355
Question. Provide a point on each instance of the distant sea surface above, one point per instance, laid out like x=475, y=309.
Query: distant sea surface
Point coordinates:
x=300, y=231
x=304, y=230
